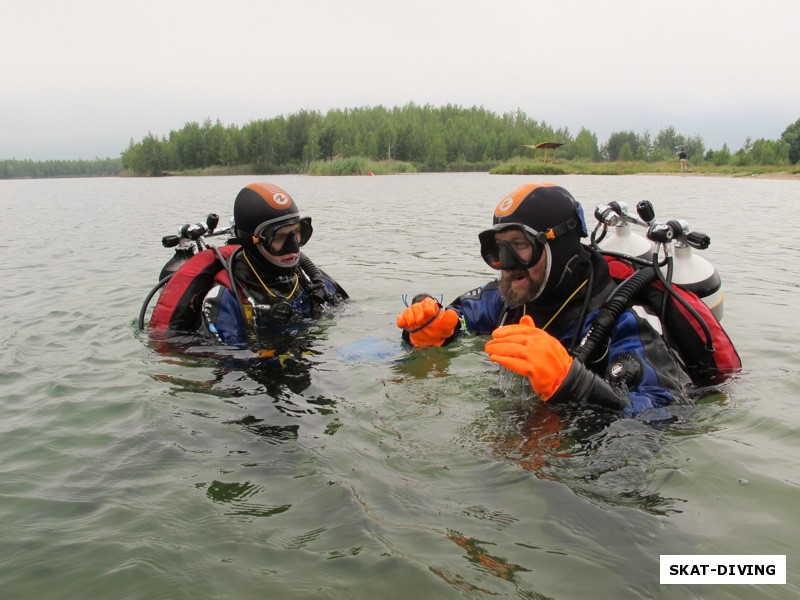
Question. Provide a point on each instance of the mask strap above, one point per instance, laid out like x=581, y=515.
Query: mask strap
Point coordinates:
x=561, y=228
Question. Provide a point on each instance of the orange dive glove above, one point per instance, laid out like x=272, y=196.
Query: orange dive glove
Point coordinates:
x=532, y=352
x=427, y=323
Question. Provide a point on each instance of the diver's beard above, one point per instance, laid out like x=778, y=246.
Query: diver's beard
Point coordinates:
x=515, y=295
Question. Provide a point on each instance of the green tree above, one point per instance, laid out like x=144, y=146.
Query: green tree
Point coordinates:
x=644, y=146
x=436, y=156
x=266, y=146
x=668, y=139
x=770, y=152
x=613, y=147
x=229, y=152
x=386, y=138
x=721, y=157
x=434, y=137
x=187, y=145
x=147, y=157
x=311, y=151
x=298, y=127
x=791, y=135
x=695, y=148
x=211, y=144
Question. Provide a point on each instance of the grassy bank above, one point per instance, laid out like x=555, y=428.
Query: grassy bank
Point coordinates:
x=358, y=165
x=531, y=167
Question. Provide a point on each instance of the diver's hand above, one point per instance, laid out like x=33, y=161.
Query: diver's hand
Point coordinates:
x=532, y=352
x=427, y=323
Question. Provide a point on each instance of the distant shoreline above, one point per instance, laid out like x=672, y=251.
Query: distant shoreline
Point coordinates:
x=776, y=175
x=363, y=166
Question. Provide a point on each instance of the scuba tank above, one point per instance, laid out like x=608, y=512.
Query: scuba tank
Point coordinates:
x=618, y=236
x=190, y=239
x=682, y=288
x=689, y=271
x=696, y=274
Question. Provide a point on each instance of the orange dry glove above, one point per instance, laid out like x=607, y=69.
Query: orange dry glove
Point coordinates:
x=427, y=324
x=530, y=351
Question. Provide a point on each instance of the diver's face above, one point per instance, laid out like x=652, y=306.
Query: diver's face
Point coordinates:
x=518, y=286
x=282, y=235
x=278, y=244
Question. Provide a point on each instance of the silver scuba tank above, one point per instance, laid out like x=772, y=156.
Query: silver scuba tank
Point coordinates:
x=695, y=273
x=622, y=240
x=690, y=271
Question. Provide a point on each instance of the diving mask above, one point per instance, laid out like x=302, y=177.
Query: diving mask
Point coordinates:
x=505, y=254
x=279, y=237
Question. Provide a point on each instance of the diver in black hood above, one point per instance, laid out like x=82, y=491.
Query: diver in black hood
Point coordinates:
x=258, y=286
x=535, y=243
x=550, y=291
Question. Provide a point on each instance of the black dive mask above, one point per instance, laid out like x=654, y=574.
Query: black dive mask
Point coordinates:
x=502, y=256
x=279, y=243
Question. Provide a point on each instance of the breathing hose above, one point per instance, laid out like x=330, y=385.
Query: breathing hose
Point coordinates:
x=609, y=313
x=315, y=276
x=312, y=270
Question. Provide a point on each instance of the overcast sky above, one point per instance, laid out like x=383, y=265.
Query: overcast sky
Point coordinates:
x=81, y=78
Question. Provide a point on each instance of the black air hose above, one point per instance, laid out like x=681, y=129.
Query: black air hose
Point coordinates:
x=312, y=270
x=162, y=282
x=689, y=308
x=611, y=310
x=316, y=286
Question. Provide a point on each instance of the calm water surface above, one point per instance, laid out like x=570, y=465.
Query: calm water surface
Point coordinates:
x=373, y=471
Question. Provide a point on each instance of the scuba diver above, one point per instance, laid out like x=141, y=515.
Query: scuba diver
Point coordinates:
x=573, y=321
x=259, y=286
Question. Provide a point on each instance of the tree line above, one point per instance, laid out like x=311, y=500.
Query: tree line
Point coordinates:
x=32, y=169
x=431, y=138
x=434, y=139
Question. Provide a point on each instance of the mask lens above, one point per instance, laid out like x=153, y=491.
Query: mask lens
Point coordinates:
x=506, y=254
x=286, y=239
x=305, y=230
x=510, y=259
x=489, y=248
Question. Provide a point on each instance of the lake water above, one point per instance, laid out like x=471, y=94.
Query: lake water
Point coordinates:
x=375, y=471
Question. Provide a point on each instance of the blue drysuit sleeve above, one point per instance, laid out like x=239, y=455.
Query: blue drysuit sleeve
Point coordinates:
x=222, y=317
x=480, y=309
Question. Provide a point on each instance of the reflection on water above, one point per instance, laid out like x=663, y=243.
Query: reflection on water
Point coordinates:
x=239, y=496
x=591, y=450
x=479, y=555
x=273, y=394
